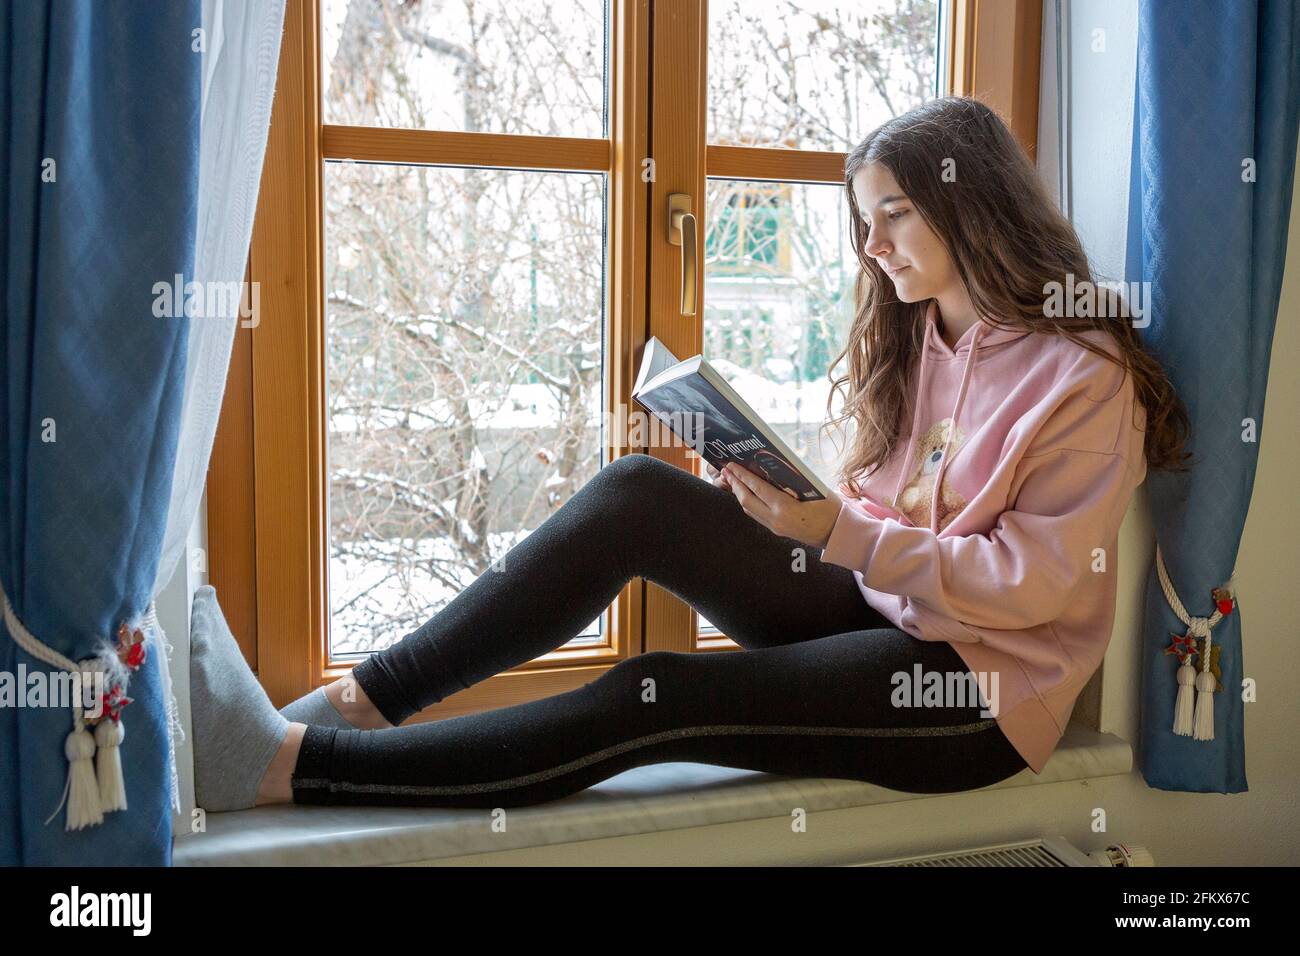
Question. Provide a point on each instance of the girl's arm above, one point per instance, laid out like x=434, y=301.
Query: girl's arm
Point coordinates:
x=1075, y=481
x=1024, y=571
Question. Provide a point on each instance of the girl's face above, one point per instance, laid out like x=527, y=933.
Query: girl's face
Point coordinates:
x=899, y=239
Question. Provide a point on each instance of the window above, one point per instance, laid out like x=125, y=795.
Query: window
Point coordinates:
x=750, y=233
x=461, y=252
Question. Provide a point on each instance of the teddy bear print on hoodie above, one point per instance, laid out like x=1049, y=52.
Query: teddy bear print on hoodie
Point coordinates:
x=914, y=499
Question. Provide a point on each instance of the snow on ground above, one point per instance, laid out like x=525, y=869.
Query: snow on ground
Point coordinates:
x=414, y=595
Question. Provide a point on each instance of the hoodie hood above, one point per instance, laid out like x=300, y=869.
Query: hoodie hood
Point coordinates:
x=980, y=337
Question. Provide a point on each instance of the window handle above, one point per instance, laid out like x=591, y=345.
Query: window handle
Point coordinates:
x=681, y=232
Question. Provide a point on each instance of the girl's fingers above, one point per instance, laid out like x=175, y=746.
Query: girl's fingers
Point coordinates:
x=765, y=492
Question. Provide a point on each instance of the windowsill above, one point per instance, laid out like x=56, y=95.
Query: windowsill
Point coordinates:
x=656, y=798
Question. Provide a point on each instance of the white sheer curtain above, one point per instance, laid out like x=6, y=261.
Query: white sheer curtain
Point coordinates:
x=241, y=51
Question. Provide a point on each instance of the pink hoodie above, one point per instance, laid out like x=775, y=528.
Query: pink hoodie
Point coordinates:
x=999, y=536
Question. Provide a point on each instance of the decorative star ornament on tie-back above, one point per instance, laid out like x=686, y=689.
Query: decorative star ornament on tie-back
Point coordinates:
x=1184, y=646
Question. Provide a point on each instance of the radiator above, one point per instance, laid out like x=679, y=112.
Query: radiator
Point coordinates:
x=1043, y=851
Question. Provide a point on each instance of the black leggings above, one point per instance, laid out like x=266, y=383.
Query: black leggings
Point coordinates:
x=810, y=694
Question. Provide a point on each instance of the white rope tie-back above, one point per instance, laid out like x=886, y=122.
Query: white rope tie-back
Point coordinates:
x=94, y=784
x=1199, y=725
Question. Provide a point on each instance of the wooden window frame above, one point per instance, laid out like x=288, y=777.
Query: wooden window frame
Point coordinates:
x=267, y=484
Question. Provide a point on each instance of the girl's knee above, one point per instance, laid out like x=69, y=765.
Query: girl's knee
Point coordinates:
x=642, y=483
x=642, y=477
x=635, y=467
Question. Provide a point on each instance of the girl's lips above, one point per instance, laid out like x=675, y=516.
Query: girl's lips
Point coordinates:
x=895, y=272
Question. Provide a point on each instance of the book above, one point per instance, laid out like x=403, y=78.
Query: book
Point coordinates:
x=698, y=405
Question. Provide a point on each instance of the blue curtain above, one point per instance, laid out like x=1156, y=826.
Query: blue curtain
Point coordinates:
x=1214, y=155
x=99, y=103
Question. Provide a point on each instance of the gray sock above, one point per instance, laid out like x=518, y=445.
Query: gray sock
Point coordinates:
x=237, y=730
x=315, y=708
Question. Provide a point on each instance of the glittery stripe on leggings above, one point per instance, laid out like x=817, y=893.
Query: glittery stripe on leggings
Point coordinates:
x=948, y=730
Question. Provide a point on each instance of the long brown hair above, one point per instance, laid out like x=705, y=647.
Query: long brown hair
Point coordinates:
x=1007, y=241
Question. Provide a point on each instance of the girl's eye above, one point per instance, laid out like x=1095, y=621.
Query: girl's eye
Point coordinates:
x=866, y=223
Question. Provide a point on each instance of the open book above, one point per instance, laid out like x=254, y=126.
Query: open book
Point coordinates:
x=707, y=414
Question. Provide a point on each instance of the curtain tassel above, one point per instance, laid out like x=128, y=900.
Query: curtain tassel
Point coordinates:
x=1196, y=721
x=81, y=790
x=1186, y=695
x=109, y=735
x=95, y=784
x=1205, y=685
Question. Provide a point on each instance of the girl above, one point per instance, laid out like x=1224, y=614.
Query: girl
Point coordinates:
x=959, y=595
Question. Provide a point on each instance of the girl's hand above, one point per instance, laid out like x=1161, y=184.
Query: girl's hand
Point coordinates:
x=781, y=512
x=718, y=478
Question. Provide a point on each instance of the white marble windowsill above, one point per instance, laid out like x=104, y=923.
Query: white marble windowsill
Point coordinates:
x=655, y=798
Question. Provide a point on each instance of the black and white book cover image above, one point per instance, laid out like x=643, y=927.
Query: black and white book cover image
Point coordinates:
x=698, y=405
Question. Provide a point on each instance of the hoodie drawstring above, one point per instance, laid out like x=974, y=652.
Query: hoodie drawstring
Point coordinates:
x=916, y=411
x=966, y=376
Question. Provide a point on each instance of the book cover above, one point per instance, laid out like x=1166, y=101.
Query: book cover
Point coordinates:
x=699, y=407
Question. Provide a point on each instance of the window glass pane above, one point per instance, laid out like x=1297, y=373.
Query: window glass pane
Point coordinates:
x=464, y=341
x=817, y=74
x=813, y=75
x=778, y=273
x=489, y=66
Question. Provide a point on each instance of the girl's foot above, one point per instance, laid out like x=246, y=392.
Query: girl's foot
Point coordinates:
x=342, y=704
x=358, y=711
x=238, y=733
x=277, y=784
